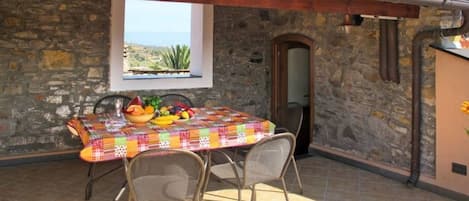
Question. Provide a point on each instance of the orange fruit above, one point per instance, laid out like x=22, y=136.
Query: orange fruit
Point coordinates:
x=149, y=109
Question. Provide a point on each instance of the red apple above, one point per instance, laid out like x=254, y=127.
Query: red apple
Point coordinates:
x=191, y=112
x=136, y=101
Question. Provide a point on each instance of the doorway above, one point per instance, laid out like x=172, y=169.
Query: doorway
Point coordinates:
x=293, y=81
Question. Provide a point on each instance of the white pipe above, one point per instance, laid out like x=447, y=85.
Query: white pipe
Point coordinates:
x=452, y=4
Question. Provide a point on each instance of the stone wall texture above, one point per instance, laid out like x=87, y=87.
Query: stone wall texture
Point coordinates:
x=54, y=60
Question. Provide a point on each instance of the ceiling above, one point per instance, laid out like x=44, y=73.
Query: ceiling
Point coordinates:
x=367, y=7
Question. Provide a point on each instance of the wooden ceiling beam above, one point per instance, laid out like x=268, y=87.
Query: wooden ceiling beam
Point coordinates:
x=368, y=7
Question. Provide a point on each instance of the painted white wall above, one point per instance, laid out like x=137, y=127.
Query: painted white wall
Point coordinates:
x=298, y=75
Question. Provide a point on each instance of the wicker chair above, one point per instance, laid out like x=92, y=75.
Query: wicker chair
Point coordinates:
x=165, y=174
x=266, y=161
x=291, y=118
x=171, y=99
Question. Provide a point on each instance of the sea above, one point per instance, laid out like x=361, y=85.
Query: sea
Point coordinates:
x=159, y=39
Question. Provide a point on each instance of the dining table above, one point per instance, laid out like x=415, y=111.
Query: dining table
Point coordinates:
x=108, y=137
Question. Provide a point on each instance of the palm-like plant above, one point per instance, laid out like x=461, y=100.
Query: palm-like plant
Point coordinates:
x=177, y=57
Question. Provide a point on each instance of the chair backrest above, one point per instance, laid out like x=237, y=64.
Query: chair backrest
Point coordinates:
x=291, y=117
x=171, y=99
x=268, y=159
x=106, y=104
x=165, y=174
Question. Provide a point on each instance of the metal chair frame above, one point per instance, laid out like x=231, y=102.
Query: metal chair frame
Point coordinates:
x=183, y=99
x=162, y=153
x=115, y=96
x=92, y=167
x=282, y=130
x=296, y=133
x=241, y=181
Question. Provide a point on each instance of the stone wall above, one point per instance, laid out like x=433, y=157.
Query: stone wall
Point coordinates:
x=54, y=61
x=355, y=111
x=53, y=55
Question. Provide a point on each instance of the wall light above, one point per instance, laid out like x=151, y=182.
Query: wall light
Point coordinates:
x=351, y=20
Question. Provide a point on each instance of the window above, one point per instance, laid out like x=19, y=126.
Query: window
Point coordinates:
x=201, y=48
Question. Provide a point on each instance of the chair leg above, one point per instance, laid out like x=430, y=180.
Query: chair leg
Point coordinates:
x=298, y=178
x=285, y=192
x=253, y=192
x=240, y=188
x=118, y=196
x=208, y=164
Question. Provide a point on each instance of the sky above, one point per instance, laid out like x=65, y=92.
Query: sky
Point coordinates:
x=166, y=16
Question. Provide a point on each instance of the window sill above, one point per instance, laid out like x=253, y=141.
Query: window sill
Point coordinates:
x=162, y=83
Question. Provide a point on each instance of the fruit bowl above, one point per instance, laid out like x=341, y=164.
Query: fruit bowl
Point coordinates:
x=143, y=118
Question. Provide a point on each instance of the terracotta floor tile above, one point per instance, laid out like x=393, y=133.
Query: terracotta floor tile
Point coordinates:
x=348, y=185
x=337, y=195
x=323, y=180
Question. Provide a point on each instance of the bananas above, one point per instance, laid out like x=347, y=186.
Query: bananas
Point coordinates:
x=164, y=120
x=161, y=122
x=168, y=117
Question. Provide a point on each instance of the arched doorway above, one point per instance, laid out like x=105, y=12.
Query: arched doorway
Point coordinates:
x=284, y=49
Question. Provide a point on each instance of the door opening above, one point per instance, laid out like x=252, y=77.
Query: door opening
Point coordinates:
x=293, y=81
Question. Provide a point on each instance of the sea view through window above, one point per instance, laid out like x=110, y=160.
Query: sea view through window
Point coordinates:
x=157, y=39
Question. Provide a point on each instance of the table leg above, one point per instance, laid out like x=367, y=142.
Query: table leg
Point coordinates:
x=92, y=178
x=89, y=185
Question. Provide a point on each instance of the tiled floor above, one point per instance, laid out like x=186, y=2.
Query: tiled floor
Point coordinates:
x=323, y=179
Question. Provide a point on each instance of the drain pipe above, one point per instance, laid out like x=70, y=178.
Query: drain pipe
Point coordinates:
x=417, y=44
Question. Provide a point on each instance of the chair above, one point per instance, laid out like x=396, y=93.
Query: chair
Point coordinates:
x=290, y=120
x=105, y=104
x=266, y=161
x=165, y=174
x=171, y=99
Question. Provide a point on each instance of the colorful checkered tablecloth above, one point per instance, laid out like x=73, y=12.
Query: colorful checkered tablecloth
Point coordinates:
x=210, y=128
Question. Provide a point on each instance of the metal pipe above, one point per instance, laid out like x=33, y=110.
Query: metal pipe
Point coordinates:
x=417, y=45
x=383, y=51
x=393, y=51
x=452, y=4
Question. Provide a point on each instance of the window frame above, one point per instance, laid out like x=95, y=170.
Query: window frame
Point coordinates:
x=201, y=54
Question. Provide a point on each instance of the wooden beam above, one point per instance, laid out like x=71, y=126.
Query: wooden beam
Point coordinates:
x=368, y=7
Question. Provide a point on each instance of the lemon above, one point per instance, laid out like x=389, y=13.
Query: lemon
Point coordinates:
x=185, y=115
x=163, y=109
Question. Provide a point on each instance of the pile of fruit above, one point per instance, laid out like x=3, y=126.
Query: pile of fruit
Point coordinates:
x=171, y=113
x=180, y=110
x=137, y=112
x=136, y=107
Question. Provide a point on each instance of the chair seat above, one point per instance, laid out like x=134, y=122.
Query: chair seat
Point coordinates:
x=225, y=171
x=266, y=161
x=171, y=186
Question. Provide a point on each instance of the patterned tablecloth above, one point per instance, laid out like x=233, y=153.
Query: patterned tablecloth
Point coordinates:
x=210, y=128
